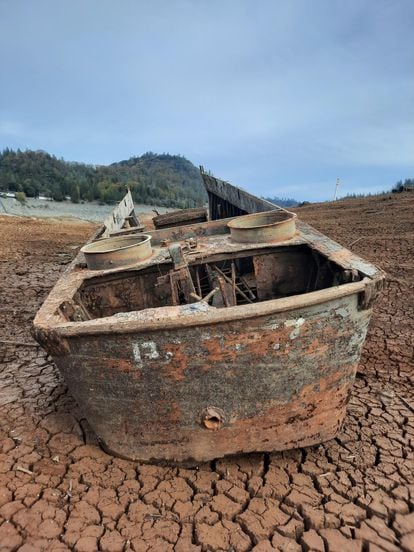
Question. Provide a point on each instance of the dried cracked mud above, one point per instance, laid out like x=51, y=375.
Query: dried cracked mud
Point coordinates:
x=60, y=491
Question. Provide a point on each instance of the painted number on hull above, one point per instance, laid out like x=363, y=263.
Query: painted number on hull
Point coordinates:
x=142, y=351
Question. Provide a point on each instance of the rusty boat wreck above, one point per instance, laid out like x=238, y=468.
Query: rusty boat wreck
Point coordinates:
x=188, y=343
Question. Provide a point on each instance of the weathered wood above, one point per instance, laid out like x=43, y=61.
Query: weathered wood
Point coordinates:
x=181, y=233
x=127, y=231
x=180, y=278
x=356, y=241
x=227, y=200
x=227, y=291
x=181, y=285
x=173, y=277
x=124, y=210
x=180, y=218
x=218, y=300
x=177, y=256
x=210, y=294
x=233, y=281
x=24, y=470
x=246, y=285
x=238, y=289
x=198, y=283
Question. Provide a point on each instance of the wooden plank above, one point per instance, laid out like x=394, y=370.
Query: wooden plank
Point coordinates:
x=228, y=200
x=218, y=300
x=198, y=282
x=236, y=286
x=116, y=219
x=180, y=218
x=227, y=292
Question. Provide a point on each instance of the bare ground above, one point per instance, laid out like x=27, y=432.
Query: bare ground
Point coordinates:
x=60, y=491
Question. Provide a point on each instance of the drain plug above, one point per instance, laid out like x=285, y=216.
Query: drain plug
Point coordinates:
x=212, y=418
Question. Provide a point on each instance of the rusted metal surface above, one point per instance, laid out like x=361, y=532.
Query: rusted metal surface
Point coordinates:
x=180, y=218
x=280, y=381
x=117, y=252
x=211, y=347
x=270, y=226
x=240, y=202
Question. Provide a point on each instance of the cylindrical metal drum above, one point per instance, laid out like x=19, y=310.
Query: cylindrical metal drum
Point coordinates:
x=269, y=226
x=116, y=252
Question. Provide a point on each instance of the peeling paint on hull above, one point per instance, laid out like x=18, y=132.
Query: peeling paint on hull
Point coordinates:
x=276, y=392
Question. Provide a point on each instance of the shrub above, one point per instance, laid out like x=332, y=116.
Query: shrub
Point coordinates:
x=21, y=197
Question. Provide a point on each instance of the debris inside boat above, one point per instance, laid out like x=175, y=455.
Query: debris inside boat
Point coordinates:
x=193, y=342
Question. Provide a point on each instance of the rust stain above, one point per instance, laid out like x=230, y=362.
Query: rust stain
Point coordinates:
x=119, y=364
x=169, y=413
x=176, y=361
x=253, y=344
x=316, y=348
x=313, y=415
x=216, y=351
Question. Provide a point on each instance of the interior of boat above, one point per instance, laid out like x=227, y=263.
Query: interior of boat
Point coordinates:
x=223, y=281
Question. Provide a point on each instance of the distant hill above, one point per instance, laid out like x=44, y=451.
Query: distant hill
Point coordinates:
x=283, y=202
x=166, y=180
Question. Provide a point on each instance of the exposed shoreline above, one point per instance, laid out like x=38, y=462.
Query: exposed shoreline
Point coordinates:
x=89, y=211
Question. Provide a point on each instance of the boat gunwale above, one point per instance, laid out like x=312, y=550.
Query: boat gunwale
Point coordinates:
x=114, y=324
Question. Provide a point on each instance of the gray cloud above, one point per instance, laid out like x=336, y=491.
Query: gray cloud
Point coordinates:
x=280, y=97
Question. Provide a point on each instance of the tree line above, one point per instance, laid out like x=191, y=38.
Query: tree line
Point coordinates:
x=400, y=186
x=407, y=185
x=282, y=201
x=165, y=180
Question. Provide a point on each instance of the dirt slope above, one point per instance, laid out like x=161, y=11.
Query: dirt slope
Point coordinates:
x=59, y=491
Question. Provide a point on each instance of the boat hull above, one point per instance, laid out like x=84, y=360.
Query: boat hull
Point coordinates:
x=192, y=393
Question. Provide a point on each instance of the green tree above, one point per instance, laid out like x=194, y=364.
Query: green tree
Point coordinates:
x=21, y=197
x=169, y=180
x=75, y=194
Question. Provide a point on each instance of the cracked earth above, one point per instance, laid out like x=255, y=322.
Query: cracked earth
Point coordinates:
x=60, y=491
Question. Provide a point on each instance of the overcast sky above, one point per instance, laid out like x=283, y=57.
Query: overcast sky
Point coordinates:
x=279, y=97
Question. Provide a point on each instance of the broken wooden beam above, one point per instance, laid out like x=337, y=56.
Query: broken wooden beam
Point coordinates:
x=240, y=291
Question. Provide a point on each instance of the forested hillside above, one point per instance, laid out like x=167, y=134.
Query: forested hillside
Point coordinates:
x=166, y=180
x=283, y=202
